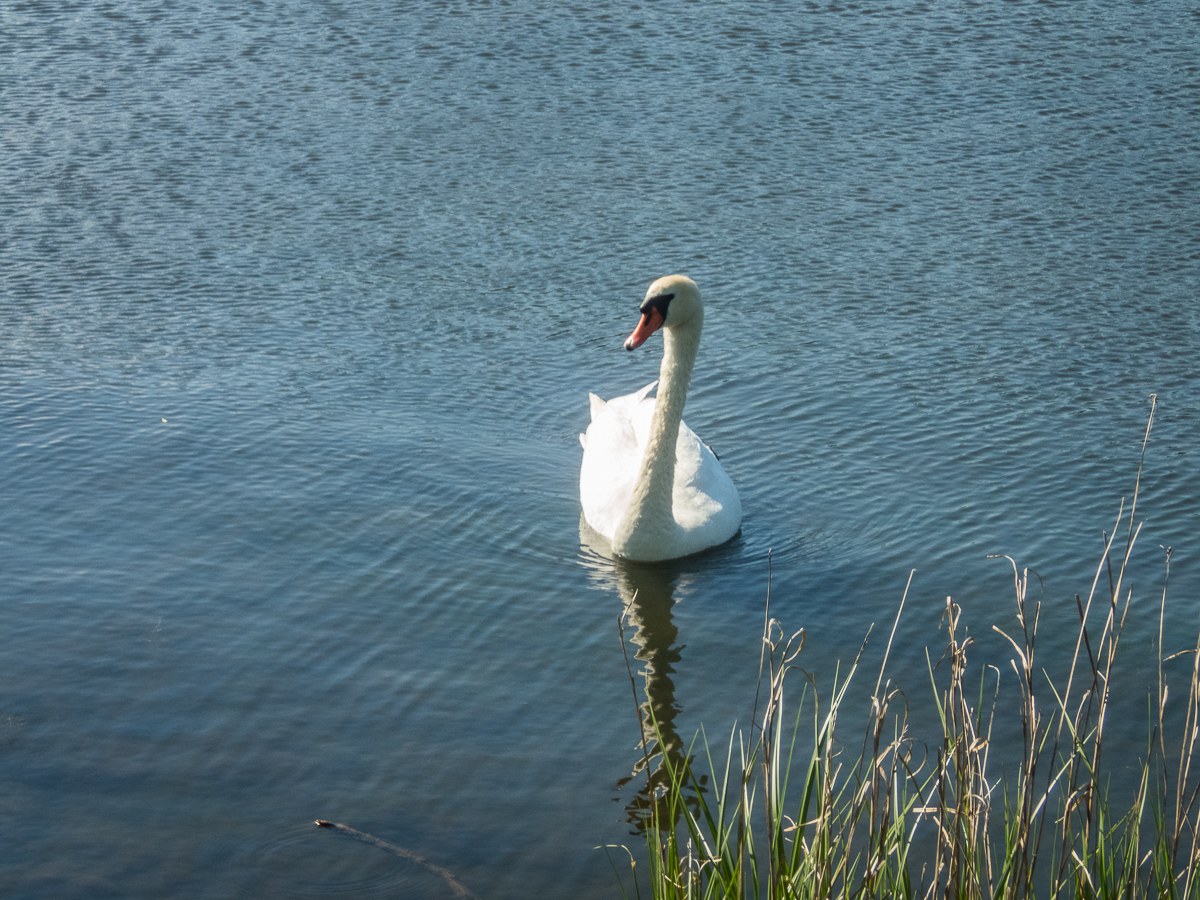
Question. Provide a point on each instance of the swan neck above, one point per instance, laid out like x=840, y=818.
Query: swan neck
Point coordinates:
x=675, y=376
x=649, y=525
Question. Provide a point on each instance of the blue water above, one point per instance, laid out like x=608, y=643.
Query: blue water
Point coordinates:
x=299, y=308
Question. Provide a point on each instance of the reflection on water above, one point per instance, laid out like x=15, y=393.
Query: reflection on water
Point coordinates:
x=647, y=592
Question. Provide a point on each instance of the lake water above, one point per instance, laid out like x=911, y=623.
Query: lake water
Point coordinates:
x=300, y=304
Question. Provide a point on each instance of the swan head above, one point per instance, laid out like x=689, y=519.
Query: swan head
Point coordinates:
x=671, y=301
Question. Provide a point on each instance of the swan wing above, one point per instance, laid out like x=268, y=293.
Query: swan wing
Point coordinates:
x=705, y=502
x=612, y=454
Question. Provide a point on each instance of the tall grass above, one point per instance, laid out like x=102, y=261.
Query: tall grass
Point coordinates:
x=778, y=815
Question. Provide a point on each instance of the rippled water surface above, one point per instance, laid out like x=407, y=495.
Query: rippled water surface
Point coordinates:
x=299, y=308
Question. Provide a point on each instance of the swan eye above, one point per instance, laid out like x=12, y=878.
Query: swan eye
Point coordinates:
x=659, y=302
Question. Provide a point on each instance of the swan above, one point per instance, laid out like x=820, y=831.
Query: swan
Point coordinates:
x=647, y=483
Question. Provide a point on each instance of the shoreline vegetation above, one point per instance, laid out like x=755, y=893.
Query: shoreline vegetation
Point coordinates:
x=789, y=811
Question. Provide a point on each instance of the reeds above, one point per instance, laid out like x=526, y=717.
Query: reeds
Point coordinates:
x=909, y=819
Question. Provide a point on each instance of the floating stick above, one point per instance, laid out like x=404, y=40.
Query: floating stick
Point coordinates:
x=459, y=890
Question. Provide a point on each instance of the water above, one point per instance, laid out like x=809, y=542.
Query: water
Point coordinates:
x=300, y=308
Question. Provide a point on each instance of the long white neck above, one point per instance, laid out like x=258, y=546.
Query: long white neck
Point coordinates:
x=649, y=527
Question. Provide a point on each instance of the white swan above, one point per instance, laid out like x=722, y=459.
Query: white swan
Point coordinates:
x=647, y=483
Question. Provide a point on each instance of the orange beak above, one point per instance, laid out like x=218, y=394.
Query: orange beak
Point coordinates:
x=650, y=323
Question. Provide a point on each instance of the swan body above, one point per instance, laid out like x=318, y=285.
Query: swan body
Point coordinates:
x=647, y=483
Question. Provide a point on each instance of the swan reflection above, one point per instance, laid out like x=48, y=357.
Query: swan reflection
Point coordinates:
x=648, y=593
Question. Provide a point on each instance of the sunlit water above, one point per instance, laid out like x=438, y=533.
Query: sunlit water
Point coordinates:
x=299, y=308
